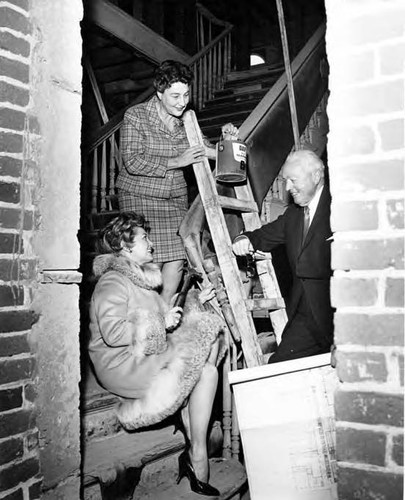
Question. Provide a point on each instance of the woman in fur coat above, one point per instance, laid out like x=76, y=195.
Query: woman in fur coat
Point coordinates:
x=154, y=357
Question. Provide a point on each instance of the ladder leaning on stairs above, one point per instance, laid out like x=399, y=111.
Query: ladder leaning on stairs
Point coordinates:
x=244, y=202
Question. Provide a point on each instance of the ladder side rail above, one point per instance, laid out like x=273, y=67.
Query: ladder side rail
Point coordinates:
x=222, y=243
x=265, y=270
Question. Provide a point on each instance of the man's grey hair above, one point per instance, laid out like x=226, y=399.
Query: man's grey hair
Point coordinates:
x=306, y=159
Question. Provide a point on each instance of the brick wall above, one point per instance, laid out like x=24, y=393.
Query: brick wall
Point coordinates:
x=40, y=98
x=366, y=51
x=20, y=476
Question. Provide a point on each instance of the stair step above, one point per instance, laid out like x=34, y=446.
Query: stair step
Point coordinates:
x=227, y=107
x=253, y=83
x=104, y=456
x=230, y=97
x=255, y=72
x=227, y=475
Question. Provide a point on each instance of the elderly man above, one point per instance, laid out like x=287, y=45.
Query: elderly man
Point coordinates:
x=304, y=229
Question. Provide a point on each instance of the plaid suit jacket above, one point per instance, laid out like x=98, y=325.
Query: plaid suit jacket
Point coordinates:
x=146, y=146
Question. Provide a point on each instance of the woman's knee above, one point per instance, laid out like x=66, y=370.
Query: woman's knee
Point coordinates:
x=209, y=372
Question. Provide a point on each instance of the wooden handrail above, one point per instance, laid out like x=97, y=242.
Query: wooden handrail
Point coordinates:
x=105, y=131
x=210, y=16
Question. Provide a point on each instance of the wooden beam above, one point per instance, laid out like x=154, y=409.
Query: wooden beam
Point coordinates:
x=132, y=32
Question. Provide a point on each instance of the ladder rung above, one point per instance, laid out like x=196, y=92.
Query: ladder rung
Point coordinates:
x=236, y=204
x=260, y=304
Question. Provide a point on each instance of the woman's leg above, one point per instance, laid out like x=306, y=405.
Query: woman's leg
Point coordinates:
x=199, y=413
x=172, y=273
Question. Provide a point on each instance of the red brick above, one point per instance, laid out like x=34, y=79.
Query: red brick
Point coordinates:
x=367, y=176
x=391, y=134
x=32, y=441
x=378, y=98
x=14, y=44
x=18, y=473
x=11, y=449
x=400, y=358
x=356, y=140
x=355, y=68
x=354, y=215
x=394, y=292
x=35, y=491
x=12, y=118
x=360, y=446
x=353, y=292
x=368, y=254
x=10, y=166
x=9, y=271
x=16, y=321
x=16, y=495
x=13, y=94
x=370, y=408
x=10, y=18
x=11, y=143
x=375, y=329
x=10, y=218
x=23, y=4
x=392, y=59
x=395, y=213
x=14, y=69
x=372, y=28
x=361, y=366
x=9, y=243
x=359, y=484
x=13, y=370
x=11, y=398
x=17, y=343
x=9, y=191
x=11, y=295
x=398, y=449
x=16, y=422
x=30, y=393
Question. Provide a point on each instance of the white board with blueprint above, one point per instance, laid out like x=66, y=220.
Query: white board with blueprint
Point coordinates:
x=286, y=418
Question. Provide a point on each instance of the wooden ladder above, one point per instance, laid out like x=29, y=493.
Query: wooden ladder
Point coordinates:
x=244, y=202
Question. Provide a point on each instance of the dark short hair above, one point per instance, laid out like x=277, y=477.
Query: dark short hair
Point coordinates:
x=121, y=230
x=170, y=72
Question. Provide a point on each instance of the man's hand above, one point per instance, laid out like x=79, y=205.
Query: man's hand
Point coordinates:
x=242, y=246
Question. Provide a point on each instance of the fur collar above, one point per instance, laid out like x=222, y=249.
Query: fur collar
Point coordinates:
x=147, y=276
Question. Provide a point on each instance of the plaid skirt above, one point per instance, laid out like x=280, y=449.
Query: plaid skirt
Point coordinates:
x=164, y=217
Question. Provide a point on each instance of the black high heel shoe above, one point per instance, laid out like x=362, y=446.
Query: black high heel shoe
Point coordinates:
x=186, y=469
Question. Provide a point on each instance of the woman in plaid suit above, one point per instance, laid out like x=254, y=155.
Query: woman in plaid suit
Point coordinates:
x=155, y=150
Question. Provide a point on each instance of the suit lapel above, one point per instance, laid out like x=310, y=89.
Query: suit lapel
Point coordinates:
x=321, y=211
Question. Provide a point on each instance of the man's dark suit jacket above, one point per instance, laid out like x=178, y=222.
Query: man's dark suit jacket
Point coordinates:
x=310, y=262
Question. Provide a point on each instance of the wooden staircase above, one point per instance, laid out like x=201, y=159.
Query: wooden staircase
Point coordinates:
x=242, y=92
x=143, y=464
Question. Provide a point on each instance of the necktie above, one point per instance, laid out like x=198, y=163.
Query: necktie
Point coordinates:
x=305, y=226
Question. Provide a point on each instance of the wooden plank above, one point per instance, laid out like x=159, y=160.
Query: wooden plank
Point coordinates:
x=132, y=32
x=240, y=205
x=223, y=247
x=103, y=456
x=259, y=304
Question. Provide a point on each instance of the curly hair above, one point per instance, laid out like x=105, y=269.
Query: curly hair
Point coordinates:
x=121, y=229
x=170, y=72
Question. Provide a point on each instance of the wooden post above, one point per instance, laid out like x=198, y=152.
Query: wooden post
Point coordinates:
x=290, y=84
